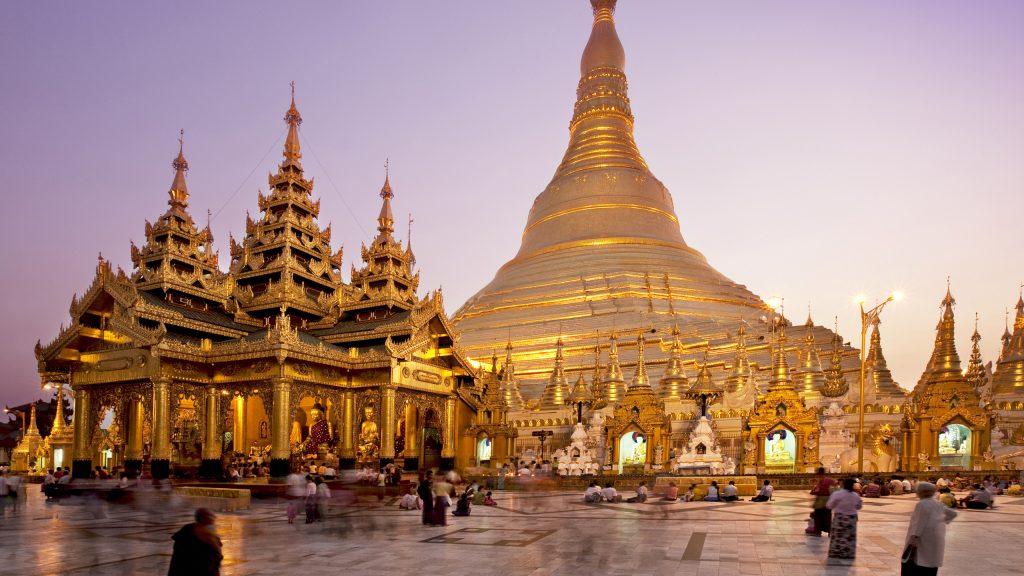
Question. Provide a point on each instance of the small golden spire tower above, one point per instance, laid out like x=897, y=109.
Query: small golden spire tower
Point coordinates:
x=945, y=420
x=835, y=381
x=557, y=389
x=1008, y=380
x=509, y=385
x=674, y=383
x=640, y=379
x=809, y=376
x=613, y=385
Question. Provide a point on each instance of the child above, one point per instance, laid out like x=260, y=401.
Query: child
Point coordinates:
x=688, y=497
x=488, y=501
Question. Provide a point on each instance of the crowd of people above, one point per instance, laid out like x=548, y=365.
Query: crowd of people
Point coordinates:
x=836, y=506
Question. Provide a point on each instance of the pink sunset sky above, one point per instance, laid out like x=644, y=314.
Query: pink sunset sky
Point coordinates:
x=815, y=149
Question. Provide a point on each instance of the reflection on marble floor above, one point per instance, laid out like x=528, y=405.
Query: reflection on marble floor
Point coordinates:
x=527, y=534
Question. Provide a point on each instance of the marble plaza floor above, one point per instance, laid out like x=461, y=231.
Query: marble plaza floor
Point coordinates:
x=534, y=533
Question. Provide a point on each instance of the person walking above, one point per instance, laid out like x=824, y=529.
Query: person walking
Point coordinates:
x=425, y=491
x=926, y=535
x=842, y=538
x=822, y=515
x=197, y=548
x=323, y=497
x=310, y=499
x=442, y=491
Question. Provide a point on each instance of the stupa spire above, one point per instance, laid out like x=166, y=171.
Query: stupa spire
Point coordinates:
x=809, y=373
x=510, y=392
x=780, y=372
x=557, y=389
x=640, y=379
x=386, y=221
x=613, y=385
x=292, y=149
x=674, y=383
x=179, y=191
x=975, y=369
x=944, y=364
x=835, y=382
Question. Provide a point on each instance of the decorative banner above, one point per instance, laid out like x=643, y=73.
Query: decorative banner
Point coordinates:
x=781, y=434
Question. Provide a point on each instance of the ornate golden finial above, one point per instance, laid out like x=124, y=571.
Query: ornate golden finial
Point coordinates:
x=640, y=376
x=179, y=191
x=385, y=191
x=292, y=150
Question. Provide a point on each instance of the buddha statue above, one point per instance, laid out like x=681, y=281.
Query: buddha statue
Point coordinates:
x=319, y=432
x=369, y=440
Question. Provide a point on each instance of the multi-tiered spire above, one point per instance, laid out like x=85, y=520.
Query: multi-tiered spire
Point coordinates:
x=943, y=383
x=809, y=376
x=1008, y=380
x=386, y=282
x=674, y=383
x=975, y=368
x=703, y=391
x=178, y=262
x=509, y=388
x=835, y=381
x=640, y=379
x=557, y=389
x=780, y=366
x=613, y=385
x=741, y=372
x=285, y=266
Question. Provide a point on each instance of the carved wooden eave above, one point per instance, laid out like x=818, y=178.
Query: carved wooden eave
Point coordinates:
x=977, y=417
x=172, y=317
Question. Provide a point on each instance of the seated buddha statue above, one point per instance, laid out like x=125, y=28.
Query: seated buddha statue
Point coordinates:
x=319, y=432
x=369, y=440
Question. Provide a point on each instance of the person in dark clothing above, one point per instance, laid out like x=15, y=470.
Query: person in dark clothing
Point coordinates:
x=427, y=496
x=462, y=507
x=197, y=548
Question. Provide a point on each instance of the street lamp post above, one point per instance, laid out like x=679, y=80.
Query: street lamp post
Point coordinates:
x=867, y=318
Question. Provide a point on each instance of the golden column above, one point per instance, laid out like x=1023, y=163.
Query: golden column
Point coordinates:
x=133, y=444
x=280, y=452
x=448, y=450
x=239, y=432
x=160, y=460
x=348, y=451
x=387, y=417
x=82, y=455
x=867, y=319
x=211, y=465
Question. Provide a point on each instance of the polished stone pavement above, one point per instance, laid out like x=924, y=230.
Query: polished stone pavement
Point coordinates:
x=531, y=533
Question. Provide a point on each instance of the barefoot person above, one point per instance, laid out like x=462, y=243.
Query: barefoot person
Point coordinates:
x=842, y=538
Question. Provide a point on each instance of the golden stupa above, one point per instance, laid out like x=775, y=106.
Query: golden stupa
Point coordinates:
x=602, y=253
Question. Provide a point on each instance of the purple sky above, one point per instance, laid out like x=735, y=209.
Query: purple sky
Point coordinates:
x=815, y=149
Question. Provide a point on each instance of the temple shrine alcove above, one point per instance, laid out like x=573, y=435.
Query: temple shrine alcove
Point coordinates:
x=945, y=425
x=783, y=431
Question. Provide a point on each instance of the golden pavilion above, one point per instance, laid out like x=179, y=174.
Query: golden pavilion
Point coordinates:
x=177, y=364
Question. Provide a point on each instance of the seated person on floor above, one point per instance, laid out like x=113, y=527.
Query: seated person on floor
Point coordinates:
x=410, y=501
x=672, y=494
x=462, y=507
x=641, y=494
x=874, y=489
x=488, y=501
x=593, y=494
x=946, y=497
x=978, y=499
x=712, y=493
x=765, y=494
x=730, y=492
x=691, y=494
x=610, y=493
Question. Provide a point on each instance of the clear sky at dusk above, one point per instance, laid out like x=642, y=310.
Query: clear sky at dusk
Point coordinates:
x=815, y=149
